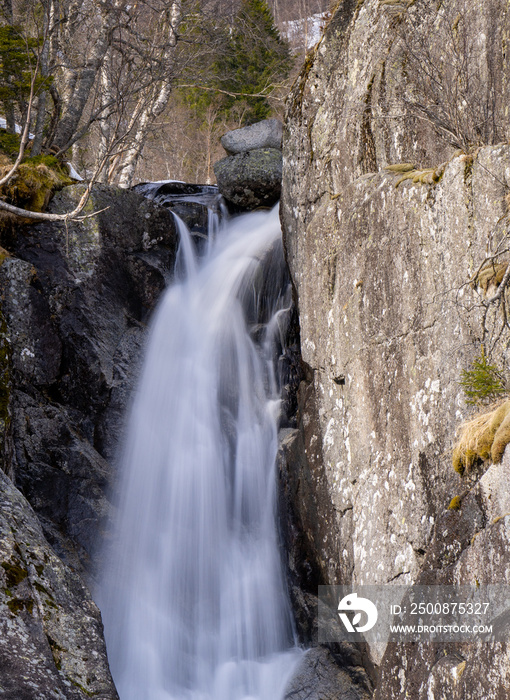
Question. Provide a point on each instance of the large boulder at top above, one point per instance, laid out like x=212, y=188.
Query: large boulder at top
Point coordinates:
x=251, y=180
x=264, y=134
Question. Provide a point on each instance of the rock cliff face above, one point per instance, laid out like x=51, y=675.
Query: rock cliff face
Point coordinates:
x=388, y=321
x=74, y=304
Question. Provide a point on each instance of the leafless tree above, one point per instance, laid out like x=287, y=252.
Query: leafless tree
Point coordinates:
x=452, y=68
x=108, y=64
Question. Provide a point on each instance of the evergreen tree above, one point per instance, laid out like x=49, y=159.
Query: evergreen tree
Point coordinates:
x=256, y=57
x=15, y=75
x=248, y=60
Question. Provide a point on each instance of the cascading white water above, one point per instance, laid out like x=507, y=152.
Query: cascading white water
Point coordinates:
x=194, y=601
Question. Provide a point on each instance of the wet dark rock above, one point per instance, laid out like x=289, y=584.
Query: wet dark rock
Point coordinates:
x=250, y=180
x=189, y=201
x=75, y=302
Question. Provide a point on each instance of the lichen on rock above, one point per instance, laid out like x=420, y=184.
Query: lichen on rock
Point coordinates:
x=379, y=453
x=252, y=179
x=51, y=644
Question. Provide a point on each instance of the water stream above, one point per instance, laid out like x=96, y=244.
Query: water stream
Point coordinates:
x=194, y=600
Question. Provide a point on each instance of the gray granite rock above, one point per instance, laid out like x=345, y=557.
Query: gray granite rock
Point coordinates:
x=51, y=640
x=381, y=267
x=264, y=134
x=251, y=180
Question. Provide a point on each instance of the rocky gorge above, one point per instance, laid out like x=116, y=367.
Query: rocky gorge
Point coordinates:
x=386, y=224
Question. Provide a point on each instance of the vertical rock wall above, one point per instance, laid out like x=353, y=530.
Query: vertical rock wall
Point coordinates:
x=388, y=319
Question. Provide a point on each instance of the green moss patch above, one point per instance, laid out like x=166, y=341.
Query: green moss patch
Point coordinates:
x=39, y=587
x=14, y=573
x=32, y=185
x=18, y=605
x=56, y=650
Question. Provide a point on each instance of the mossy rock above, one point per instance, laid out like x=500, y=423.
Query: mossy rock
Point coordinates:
x=34, y=183
x=14, y=573
x=32, y=186
x=252, y=179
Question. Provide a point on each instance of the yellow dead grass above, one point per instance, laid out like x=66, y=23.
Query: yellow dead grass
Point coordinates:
x=483, y=437
x=490, y=276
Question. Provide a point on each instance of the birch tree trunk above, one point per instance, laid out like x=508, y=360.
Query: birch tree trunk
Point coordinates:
x=42, y=101
x=78, y=82
x=105, y=126
x=133, y=153
x=159, y=96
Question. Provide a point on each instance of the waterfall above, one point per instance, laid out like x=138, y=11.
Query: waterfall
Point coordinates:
x=194, y=600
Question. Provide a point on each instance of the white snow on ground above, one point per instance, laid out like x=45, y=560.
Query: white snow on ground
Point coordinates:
x=167, y=182
x=305, y=32
x=73, y=173
x=3, y=125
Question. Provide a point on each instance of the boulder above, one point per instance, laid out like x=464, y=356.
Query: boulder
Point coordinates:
x=251, y=180
x=264, y=134
x=51, y=641
x=320, y=677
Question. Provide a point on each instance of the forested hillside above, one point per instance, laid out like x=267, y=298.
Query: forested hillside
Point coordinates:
x=137, y=91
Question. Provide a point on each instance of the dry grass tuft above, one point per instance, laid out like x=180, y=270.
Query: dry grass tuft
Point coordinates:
x=490, y=276
x=396, y=6
x=455, y=503
x=483, y=437
x=408, y=171
x=400, y=168
x=423, y=177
